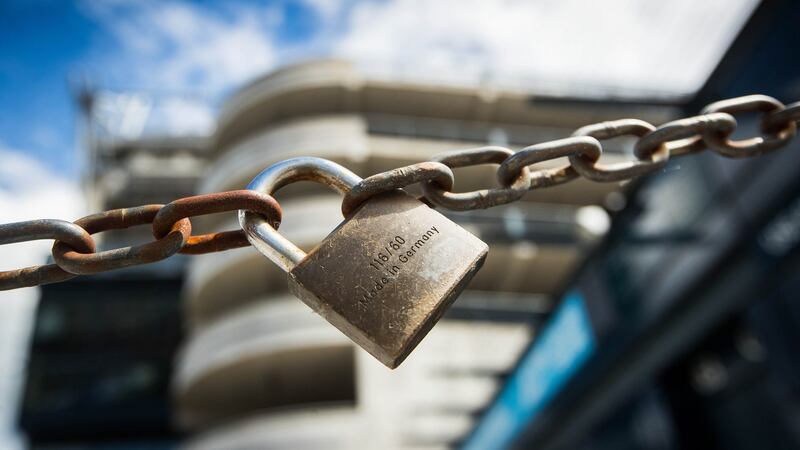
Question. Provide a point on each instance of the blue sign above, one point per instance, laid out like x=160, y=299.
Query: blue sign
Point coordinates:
x=560, y=350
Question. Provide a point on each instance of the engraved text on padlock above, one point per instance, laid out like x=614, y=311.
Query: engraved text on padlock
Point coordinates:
x=385, y=276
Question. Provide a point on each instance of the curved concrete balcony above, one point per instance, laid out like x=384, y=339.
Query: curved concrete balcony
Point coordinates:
x=466, y=393
x=435, y=394
x=341, y=138
x=264, y=359
x=325, y=87
x=333, y=428
x=265, y=356
x=344, y=139
x=302, y=89
x=454, y=349
x=426, y=428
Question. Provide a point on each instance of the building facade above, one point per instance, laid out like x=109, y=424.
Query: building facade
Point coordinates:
x=259, y=369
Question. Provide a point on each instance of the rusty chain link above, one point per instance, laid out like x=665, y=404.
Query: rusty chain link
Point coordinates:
x=528, y=156
x=483, y=198
x=198, y=205
x=33, y=230
x=774, y=137
x=79, y=263
x=74, y=249
x=684, y=136
x=781, y=119
x=399, y=178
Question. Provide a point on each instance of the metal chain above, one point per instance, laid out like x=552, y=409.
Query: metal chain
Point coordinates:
x=74, y=249
x=33, y=230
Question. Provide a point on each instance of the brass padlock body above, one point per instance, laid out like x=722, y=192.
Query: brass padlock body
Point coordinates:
x=385, y=276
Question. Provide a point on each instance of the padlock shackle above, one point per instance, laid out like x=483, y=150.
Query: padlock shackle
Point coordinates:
x=260, y=233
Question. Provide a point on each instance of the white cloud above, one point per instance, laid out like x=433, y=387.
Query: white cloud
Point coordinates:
x=28, y=190
x=183, y=116
x=624, y=44
x=45, y=136
x=569, y=45
x=187, y=55
x=177, y=45
x=210, y=52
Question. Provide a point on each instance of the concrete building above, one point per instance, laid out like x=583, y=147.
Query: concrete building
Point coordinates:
x=259, y=369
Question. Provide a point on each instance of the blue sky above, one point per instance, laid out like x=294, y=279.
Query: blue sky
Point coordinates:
x=205, y=49
x=48, y=47
x=38, y=48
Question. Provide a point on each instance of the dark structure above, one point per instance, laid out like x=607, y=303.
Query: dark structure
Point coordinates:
x=691, y=339
x=101, y=361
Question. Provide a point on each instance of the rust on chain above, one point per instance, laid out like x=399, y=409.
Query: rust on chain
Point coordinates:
x=779, y=120
x=399, y=178
x=71, y=260
x=511, y=167
x=33, y=230
x=684, y=136
x=721, y=143
x=484, y=198
x=245, y=199
x=74, y=247
x=587, y=164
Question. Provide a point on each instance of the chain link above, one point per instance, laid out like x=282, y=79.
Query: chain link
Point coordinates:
x=33, y=230
x=684, y=136
x=512, y=167
x=721, y=142
x=484, y=198
x=430, y=171
x=74, y=248
x=199, y=205
x=590, y=167
x=778, y=120
x=73, y=261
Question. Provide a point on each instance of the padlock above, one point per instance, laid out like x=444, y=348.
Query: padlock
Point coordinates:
x=384, y=276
